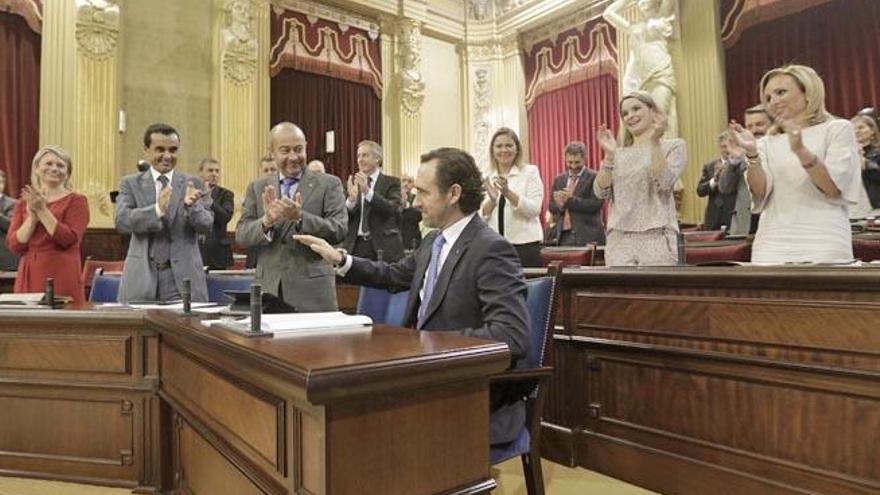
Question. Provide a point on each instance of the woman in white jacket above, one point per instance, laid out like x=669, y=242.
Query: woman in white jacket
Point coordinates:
x=514, y=197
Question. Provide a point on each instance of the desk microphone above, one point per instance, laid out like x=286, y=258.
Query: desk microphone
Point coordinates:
x=256, y=308
x=187, y=296
x=681, y=257
x=50, y=292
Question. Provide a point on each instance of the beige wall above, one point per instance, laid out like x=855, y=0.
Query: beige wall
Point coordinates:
x=442, y=123
x=166, y=76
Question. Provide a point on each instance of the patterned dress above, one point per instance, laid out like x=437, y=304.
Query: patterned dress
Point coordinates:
x=642, y=221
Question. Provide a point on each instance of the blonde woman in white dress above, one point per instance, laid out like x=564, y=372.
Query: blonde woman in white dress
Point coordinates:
x=804, y=175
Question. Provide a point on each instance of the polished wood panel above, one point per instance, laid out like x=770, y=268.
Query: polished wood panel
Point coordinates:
x=75, y=401
x=735, y=379
x=104, y=244
x=199, y=468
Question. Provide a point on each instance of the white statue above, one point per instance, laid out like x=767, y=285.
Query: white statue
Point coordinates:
x=650, y=65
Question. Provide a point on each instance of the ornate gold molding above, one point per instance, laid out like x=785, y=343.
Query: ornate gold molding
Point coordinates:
x=412, y=87
x=97, y=27
x=342, y=18
x=482, y=115
x=30, y=10
x=554, y=28
x=239, y=51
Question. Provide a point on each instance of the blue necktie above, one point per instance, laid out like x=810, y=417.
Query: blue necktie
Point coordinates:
x=431, y=280
x=286, y=184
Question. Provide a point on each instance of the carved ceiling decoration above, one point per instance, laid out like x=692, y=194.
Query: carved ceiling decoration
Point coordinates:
x=739, y=15
x=97, y=28
x=31, y=10
x=572, y=57
x=315, y=11
x=324, y=47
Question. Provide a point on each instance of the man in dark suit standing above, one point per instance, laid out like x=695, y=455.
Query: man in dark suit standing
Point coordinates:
x=215, y=246
x=164, y=210
x=410, y=216
x=293, y=201
x=373, y=208
x=576, y=209
x=464, y=276
x=719, y=207
x=8, y=259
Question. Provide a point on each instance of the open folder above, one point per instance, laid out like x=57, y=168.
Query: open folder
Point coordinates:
x=296, y=322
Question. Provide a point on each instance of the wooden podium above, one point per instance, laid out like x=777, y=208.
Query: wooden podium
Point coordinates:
x=158, y=402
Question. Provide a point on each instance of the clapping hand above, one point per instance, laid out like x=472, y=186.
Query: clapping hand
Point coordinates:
x=501, y=185
x=741, y=137
x=659, y=124
x=491, y=190
x=561, y=197
x=795, y=138
x=164, y=198
x=606, y=140
x=35, y=200
x=360, y=179
x=352, y=188
x=290, y=209
x=192, y=194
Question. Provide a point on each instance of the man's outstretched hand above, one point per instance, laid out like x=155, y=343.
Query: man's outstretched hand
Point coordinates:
x=322, y=247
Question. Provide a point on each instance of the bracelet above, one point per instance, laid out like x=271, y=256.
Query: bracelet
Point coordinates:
x=810, y=164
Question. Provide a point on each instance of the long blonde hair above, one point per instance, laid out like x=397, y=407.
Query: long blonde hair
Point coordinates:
x=626, y=137
x=810, y=83
x=62, y=155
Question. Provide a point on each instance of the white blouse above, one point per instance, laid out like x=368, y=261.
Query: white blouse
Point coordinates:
x=798, y=222
x=522, y=223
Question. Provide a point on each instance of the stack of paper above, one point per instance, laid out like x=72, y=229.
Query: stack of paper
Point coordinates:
x=294, y=322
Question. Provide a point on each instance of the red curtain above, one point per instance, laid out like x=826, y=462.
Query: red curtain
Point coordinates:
x=319, y=104
x=19, y=99
x=840, y=39
x=569, y=114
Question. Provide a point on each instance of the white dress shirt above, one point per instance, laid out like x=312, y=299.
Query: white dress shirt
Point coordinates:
x=367, y=197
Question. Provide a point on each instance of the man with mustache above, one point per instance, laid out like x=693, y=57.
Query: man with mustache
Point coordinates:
x=164, y=210
x=293, y=201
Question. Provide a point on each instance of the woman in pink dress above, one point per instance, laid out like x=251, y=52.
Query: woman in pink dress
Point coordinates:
x=48, y=226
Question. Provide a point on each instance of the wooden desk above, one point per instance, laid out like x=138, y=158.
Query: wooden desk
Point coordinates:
x=377, y=410
x=720, y=380
x=78, y=397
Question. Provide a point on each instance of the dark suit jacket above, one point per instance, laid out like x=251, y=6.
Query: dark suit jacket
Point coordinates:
x=381, y=217
x=585, y=208
x=480, y=291
x=409, y=225
x=215, y=246
x=719, y=208
x=8, y=259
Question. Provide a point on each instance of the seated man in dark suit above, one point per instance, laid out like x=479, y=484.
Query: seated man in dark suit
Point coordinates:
x=215, y=246
x=577, y=212
x=373, y=208
x=464, y=276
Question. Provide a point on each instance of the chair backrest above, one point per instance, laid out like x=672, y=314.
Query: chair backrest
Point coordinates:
x=105, y=288
x=541, y=303
x=694, y=255
x=569, y=256
x=703, y=235
x=90, y=265
x=219, y=283
x=866, y=249
x=382, y=306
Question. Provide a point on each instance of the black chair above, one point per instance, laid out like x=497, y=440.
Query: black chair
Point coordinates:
x=541, y=302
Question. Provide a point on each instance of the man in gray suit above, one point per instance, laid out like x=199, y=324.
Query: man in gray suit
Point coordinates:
x=463, y=277
x=294, y=201
x=733, y=179
x=8, y=259
x=164, y=210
